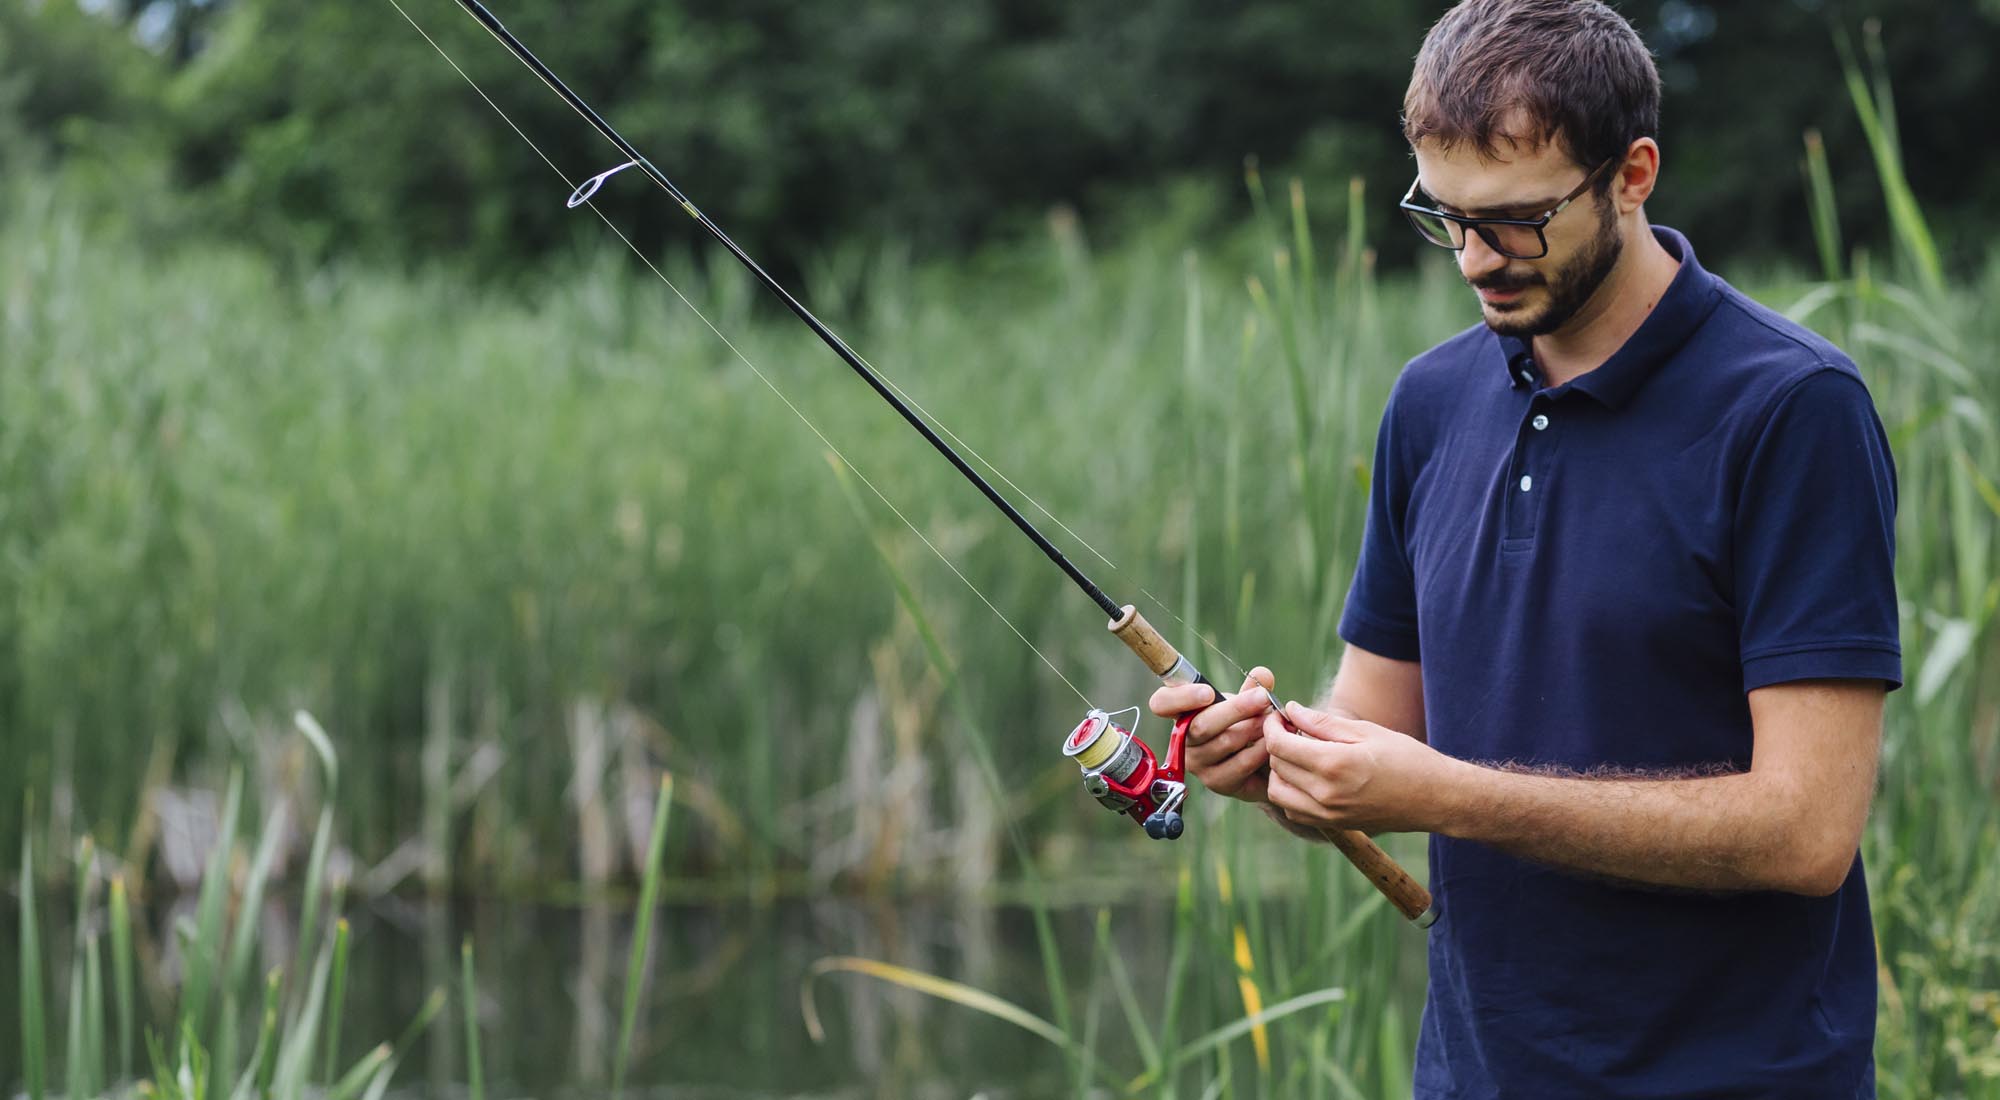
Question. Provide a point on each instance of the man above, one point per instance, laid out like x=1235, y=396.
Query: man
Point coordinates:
x=1621, y=625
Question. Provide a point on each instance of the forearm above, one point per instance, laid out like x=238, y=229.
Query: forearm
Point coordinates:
x=1726, y=832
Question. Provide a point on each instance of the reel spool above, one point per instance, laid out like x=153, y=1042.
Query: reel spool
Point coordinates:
x=1119, y=770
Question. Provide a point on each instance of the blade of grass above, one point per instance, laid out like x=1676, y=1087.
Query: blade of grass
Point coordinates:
x=379, y=1086
x=302, y=1033
x=943, y=989
x=312, y=888
x=1185, y=931
x=649, y=893
x=469, y=1008
x=76, y=1082
x=1302, y=246
x=93, y=1016
x=315, y=877
x=358, y=1075
x=336, y=1000
x=1875, y=108
x=1825, y=214
x=122, y=972
x=264, y=1058
x=418, y=1024
x=1251, y=1024
x=1092, y=1007
x=322, y=745
x=205, y=962
x=243, y=940
x=1236, y=1029
x=1395, y=1063
x=1128, y=998
x=190, y=1073
x=256, y=1079
x=1253, y=998
x=1253, y=182
x=76, y=1040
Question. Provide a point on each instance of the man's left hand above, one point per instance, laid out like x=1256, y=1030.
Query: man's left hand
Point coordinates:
x=1343, y=773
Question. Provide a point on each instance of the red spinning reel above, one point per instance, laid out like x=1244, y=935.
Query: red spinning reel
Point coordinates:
x=1120, y=771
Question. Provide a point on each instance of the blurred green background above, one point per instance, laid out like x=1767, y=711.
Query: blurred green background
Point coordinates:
x=313, y=397
x=324, y=129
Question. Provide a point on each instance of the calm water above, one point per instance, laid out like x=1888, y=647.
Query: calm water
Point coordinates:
x=720, y=1015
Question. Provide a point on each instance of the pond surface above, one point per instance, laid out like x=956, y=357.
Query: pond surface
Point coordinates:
x=720, y=1014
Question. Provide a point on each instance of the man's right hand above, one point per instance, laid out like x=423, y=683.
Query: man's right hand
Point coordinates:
x=1225, y=742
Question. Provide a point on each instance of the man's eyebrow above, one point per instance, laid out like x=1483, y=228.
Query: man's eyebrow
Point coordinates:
x=1534, y=205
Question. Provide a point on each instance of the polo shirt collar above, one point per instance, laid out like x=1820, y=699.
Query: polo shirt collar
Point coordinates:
x=1687, y=303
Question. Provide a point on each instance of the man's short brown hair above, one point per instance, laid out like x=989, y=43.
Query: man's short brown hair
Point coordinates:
x=1575, y=68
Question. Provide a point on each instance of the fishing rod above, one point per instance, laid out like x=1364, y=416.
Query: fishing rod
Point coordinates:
x=1119, y=769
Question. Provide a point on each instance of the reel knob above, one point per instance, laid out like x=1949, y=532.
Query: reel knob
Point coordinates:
x=1165, y=826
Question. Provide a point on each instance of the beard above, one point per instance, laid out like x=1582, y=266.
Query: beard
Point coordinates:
x=1569, y=286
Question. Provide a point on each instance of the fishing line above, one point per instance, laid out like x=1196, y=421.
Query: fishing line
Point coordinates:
x=761, y=376
x=1127, y=777
x=1053, y=518
x=584, y=192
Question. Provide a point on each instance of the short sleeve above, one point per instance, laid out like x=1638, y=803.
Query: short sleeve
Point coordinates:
x=1381, y=611
x=1815, y=540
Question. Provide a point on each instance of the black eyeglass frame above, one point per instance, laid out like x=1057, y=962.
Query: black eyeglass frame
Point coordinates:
x=1411, y=209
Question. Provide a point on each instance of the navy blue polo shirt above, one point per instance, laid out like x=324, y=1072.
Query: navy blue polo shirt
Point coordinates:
x=1594, y=575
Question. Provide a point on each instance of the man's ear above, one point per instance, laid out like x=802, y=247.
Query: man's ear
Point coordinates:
x=1633, y=180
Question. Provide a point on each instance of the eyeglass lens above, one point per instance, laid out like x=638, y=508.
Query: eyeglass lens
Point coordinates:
x=1518, y=241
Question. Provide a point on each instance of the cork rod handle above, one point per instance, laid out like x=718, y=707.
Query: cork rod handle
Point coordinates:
x=1405, y=893
x=1140, y=637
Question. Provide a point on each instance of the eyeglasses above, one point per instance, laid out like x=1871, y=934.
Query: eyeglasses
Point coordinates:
x=1517, y=238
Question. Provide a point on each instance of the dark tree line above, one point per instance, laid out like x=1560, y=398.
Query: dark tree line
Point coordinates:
x=325, y=128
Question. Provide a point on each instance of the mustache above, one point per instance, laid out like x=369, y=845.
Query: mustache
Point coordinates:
x=1502, y=280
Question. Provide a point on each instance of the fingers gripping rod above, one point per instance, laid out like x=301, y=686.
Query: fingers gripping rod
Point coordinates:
x=1405, y=893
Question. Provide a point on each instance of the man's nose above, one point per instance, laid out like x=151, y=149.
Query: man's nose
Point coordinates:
x=1477, y=259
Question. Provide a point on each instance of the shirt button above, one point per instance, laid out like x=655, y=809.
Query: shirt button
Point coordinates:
x=1540, y=422
x=1527, y=483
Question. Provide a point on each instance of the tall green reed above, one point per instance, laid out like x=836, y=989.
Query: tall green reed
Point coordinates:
x=642, y=937
x=475, y=1070
x=199, y=1056
x=1925, y=347
x=34, y=1025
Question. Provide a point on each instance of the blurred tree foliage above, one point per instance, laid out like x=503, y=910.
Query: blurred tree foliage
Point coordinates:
x=320, y=127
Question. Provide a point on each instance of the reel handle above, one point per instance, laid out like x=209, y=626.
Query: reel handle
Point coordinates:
x=1405, y=893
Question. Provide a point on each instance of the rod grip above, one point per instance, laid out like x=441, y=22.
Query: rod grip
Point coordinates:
x=1158, y=653
x=1405, y=893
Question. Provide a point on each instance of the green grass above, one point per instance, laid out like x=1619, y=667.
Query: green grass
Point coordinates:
x=468, y=1003
x=359, y=492
x=499, y=536
x=635, y=965
x=197, y=1057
